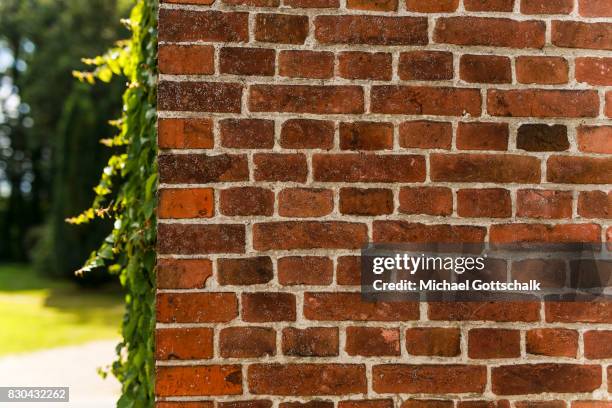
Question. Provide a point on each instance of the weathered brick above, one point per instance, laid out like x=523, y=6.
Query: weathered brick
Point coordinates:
x=246, y=342
x=488, y=69
x=253, y=3
x=594, y=71
x=482, y=136
x=186, y=59
x=595, y=204
x=577, y=34
x=592, y=404
x=595, y=139
x=186, y=239
x=540, y=404
x=542, y=233
x=426, y=200
x=579, y=170
x=495, y=168
x=433, y=341
x=247, y=133
x=494, y=32
x=542, y=70
x=366, y=201
x=244, y=271
x=312, y=3
x=317, y=403
x=595, y=8
x=306, y=99
x=289, y=235
x=366, y=136
x=373, y=30
x=484, y=203
x=598, y=344
x=311, y=341
x=422, y=134
x=552, y=342
x=425, y=65
x=489, y=5
x=372, y=341
x=196, y=307
x=368, y=168
x=331, y=306
x=189, y=25
x=305, y=202
x=428, y=379
x=262, y=307
x=542, y=378
x=421, y=100
x=245, y=404
x=244, y=201
x=543, y=103
x=185, y=404
x=171, y=381
x=280, y=167
x=184, y=344
x=378, y=403
x=186, y=203
x=246, y=61
x=364, y=65
x=372, y=5
x=494, y=343
x=305, y=270
x=547, y=6
x=185, y=134
x=183, y=273
x=348, y=271
x=578, y=312
x=306, y=64
x=200, y=96
x=549, y=204
x=485, y=311
x=405, y=231
x=307, y=134
x=542, y=138
x=432, y=6
x=281, y=28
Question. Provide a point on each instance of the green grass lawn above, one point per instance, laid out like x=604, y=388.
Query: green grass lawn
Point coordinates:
x=37, y=312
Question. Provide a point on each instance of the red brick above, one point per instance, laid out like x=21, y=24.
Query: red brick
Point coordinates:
x=432, y=6
x=372, y=5
x=494, y=168
x=244, y=271
x=598, y=344
x=307, y=134
x=185, y=404
x=262, y=307
x=425, y=65
x=196, y=307
x=306, y=64
x=595, y=204
x=433, y=341
x=198, y=2
x=366, y=136
x=183, y=344
x=336, y=306
x=245, y=404
x=253, y=3
x=540, y=404
x=494, y=343
x=484, y=404
x=608, y=110
x=428, y=379
x=595, y=139
x=541, y=233
x=186, y=60
x=185, y=134
x=482, y=136
x=173, y=381
x=280, y=167
x=317, y=403
x=306, y=99
x=426, y=200
x=594, y=71
x=247, y=133
x=246, y=61
x=595, y=8
x=489, y=5
x=244, y=201
x=380, y=403
x=405, y=231
x=187, y=239
x=368, y=168
x=542, y=70
x=552, y=342
x=579, y=170
x=305, y=202
x=312, y=3
x=579, y=312
x=311, y=341
x=576, y=34
x=246, y=342
x=176, y=25
x=348, y=271
x=494, y=32
x=421, y=100
x=199, y=96
x=548, y=204
x=372, y=341
x=289, y=235
x=543, y=103
x=422, y=134
x=369, y=29
x=485, y=311
x=186, y=203
x=281, y=28
x=365, y=65
x=547, y=6
x=183, y=273
x=484, y=203
x=534, y=137
x=305, y=270
x=543, y=378
x=366, y=201
x=488, y=69
x=592, y=404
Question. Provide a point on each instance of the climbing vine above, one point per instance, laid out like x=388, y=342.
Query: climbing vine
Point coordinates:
x=127, y=193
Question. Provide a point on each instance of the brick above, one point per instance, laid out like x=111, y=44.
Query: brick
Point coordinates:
x=485, y=311
x=542, y=70
x=366, y=201
x=595, y=8
x=551, y=273
x=405, y=231
x=487, y=69
x=484, y=404
x=281, y=28
x=426, y=200
x=489, y=5
x=494, y=343
x=542, y=233
x=185, y=203
x=540, y=404
x=246, y=61
x=199, y=96
x=184, y=344
x=372, y=5
x=368, y=168
x=311, y=342
x=245, y=201
x=595, y=204
x=598, y=344
x=305, y=202
x=493, y=32
x=579, y=170
x=421, y=403
x=494, y=168
x=186, y=239
x=433, y=341
x=428, y=379
x=290, y=235
x=484, y=203
x=176, y=25
x=348, y=271
x=372, y=341
x=422, y=134
x=542, y=138
x=482, y=136
x=595, y=139
x=186, y=404
x=307, y=134
x=549, y=204
x=244, y=271
x=247, y=133
x=552, y=342
x=312, y=3
x=253, y=3
x=306, y=64
x=366, y=136
x=592, y=404
x=578, y=312
x=608, y=110
x=378, y=403
x=336, y=306
x=543, y=103
x=198, y=380
x=198, y=2
x=196, y=307
x=186, y=60
x=425, y=65
x=262, y=307
x=576, y=34
x=547, y=6
x=594, y=71
x=543, y=378
x=306, y=99
x=432, y=6
x=372, y=30
x=421, y=100
x=247, y=342
x=364, y=65
x=185, y=134
x=183, y=273
x=310, y=404
x=246, y=404
x=315, y=379
x=305, y=270
x=280, y=167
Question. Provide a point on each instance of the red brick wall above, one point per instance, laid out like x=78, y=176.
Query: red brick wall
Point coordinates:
x=292, y=133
